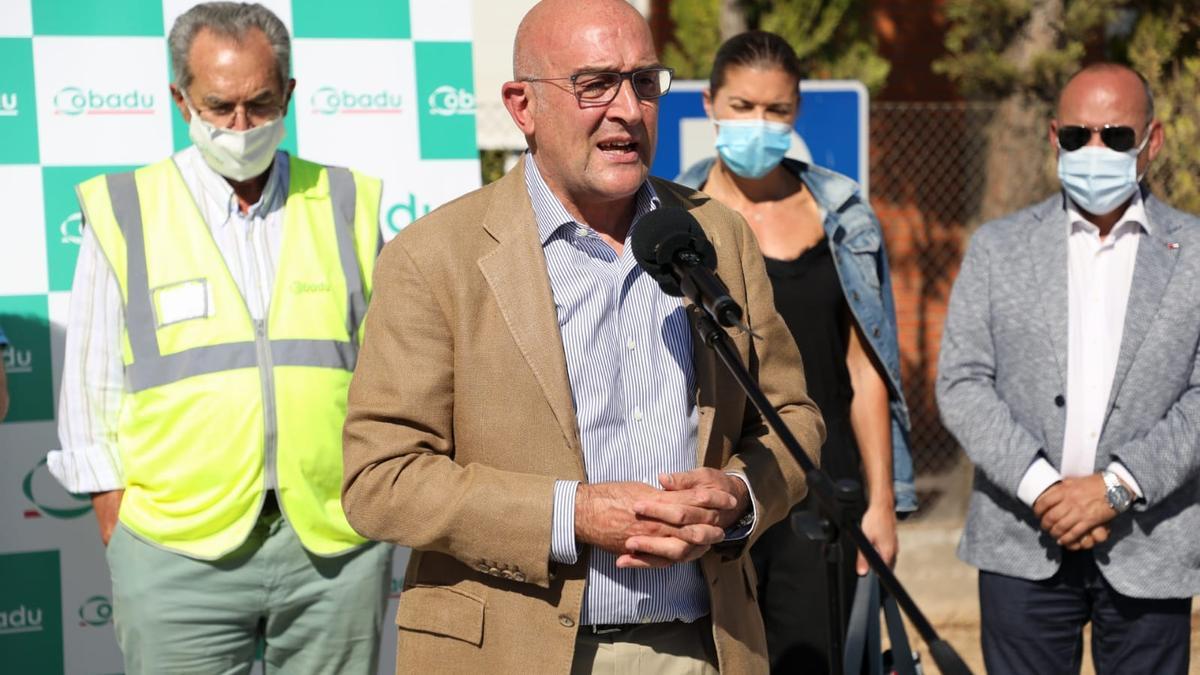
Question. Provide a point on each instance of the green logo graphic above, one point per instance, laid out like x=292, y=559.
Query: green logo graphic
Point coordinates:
x=63, y=219
x=47, y=495
x=31, y=621
x=96, y=611
x=401, y=215
x=73, y=101
x=352, y=19
x=334, y=101
x=88, y=17
x=446, y=90
x=26, y=323
x=18, y=114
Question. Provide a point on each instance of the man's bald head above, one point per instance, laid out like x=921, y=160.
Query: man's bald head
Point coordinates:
x=1121, y=80
x=551, y=22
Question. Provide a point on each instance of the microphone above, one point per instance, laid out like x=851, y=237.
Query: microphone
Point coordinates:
x=670, y=245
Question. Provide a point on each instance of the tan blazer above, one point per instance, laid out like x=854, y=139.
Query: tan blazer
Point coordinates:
x=461, y=419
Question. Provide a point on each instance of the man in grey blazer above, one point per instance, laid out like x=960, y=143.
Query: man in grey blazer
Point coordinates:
x=1069, y=375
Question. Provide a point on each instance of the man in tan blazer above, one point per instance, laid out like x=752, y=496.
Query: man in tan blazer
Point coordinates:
x=578, y=476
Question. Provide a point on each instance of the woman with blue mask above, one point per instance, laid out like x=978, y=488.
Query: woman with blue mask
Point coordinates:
x=825, y=256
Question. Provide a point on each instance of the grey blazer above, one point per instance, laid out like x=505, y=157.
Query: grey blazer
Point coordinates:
x=1002, y=384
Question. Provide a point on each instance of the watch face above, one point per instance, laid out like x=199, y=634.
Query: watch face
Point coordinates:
x=1118, y=498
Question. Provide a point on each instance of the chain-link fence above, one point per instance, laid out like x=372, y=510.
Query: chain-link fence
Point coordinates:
x=937, y=172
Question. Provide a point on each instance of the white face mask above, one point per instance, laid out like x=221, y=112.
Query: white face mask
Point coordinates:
x=237, y=155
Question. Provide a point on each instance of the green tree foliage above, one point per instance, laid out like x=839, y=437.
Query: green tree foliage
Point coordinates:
x=998, y=48
x=697, y=36
x=831, y=37
x=1165, y=47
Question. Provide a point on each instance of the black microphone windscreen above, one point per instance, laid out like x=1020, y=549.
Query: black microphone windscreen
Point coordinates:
x=662, y=233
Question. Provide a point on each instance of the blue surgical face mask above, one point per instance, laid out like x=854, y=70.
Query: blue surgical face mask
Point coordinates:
x=1099, y=179
x=751, y=148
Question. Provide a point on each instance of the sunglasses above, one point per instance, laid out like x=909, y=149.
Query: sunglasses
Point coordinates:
x=1118, y=137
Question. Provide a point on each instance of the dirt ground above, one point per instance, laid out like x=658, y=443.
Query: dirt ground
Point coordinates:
x=946, y=588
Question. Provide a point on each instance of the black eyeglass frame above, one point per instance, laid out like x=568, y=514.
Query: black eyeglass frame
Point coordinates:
x=1119, y=137
x=614, y=90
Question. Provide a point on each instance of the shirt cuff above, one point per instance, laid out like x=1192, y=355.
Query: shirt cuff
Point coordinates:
x=744, y=531
x=84, y=470
x=1038, y=477
x=563, y=548
x=1123, y=473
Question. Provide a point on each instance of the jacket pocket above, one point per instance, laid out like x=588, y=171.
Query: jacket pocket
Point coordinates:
x=441, y=610
x=863, y=248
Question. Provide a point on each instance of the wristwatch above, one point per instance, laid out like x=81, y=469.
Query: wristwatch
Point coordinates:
x=1119, y=497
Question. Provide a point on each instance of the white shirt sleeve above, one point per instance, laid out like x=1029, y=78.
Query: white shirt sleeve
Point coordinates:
x=1038, y=477
x=93, y=381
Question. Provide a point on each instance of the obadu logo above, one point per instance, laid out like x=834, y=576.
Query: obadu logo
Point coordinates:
x=334, y=101
x=74, y=101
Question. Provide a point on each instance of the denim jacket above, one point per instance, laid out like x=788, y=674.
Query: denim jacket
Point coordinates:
x=858, y=252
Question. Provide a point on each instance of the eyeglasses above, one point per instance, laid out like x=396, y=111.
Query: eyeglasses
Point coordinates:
x=1121, y=138
x=600, y=88
x=256, y=112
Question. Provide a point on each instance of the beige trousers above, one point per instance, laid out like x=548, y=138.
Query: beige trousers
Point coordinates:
x=674, y=648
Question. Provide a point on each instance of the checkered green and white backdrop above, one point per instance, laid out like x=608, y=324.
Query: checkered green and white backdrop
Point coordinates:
x=384, y=86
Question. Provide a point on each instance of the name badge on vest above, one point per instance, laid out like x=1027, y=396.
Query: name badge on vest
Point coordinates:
x=181, y=301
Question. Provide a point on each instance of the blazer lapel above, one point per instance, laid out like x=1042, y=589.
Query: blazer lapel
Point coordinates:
x=1151, y=273
x=1048, y=247
x=516, y=272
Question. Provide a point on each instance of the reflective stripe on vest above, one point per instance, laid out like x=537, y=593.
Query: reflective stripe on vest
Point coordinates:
x=151, y=369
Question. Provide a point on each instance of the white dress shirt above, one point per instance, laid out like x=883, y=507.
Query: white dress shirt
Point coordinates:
x=93, y=381
x=1100, y=273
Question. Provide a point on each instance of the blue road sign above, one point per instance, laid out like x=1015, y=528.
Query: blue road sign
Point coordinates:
x=832, y=128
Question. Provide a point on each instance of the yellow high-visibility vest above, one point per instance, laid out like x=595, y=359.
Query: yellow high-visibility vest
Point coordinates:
x=216, y=403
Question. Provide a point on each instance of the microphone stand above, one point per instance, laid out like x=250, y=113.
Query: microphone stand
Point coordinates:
x=835, y=505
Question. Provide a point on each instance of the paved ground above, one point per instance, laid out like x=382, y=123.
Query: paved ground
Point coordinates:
x=945, y=587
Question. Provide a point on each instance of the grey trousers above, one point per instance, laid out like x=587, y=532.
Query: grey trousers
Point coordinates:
x=175, y=614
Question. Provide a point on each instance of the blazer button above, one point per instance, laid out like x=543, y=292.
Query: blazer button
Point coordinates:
x=566, y=621
x=1060, y=401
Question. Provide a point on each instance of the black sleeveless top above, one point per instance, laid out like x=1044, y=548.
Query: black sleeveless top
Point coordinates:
x=808, y=295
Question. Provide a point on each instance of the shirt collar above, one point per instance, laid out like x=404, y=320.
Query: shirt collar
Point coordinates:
x=552, y=216
x=219, y=193
x=1134, y=216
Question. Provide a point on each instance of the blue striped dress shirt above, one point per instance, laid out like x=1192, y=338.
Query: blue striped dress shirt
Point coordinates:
x=628, y=348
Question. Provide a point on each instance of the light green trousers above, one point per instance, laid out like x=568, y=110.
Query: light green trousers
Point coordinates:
x=175, y=614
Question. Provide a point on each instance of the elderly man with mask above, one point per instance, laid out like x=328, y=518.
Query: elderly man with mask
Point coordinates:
x=578, y=477
x=1069, y=375
x=213, y=328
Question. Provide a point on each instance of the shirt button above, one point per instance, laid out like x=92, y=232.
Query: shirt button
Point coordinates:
x=566, y=621
x=630, y=344
x=637, y=414
x=582, y=232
